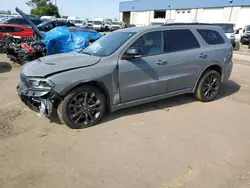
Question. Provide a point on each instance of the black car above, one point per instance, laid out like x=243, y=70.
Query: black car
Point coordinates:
x=245, y=38
x=20, y=21
x=48, y=25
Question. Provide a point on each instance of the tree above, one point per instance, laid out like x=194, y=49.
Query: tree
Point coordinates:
x=43, y=8
x=5, y=12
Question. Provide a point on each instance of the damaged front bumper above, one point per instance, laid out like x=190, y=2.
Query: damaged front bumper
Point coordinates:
x=40, y=101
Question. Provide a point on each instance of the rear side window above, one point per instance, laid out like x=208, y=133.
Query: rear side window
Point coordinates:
x=19, y=29
x=211, y=37
x=179, y=40
x=9, y=29
x=36, y=22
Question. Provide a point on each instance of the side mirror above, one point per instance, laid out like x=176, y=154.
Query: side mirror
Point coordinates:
x=244, y=31
x=237, y=31
x=132, y=53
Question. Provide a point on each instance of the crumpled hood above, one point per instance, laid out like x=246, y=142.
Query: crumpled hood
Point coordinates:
x=54, y=64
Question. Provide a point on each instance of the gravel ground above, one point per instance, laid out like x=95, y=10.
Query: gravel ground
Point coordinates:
x=172, y=143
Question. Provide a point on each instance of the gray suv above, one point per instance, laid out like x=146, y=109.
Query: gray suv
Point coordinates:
x=128, y=67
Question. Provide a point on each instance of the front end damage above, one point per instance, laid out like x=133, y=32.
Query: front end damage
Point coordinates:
x=39, y=99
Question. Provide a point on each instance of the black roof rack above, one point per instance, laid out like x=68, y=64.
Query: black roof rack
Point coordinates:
x=195, y=23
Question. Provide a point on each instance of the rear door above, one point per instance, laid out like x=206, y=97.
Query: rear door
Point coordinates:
x=184, y=59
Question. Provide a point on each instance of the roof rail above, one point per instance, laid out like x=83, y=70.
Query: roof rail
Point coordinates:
x=195, y=23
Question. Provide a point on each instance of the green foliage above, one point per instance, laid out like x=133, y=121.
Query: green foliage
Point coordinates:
x=5, y=12
x=43, y=8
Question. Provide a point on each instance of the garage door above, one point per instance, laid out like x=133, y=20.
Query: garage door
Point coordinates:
x=211, y=15
x=142, y=18
x=183, y=16
x=244, y=17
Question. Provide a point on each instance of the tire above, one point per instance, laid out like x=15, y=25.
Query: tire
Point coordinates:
x=204, y=85
x=71, y=104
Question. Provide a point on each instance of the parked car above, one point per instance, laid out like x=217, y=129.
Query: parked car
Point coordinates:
x=140, y=65
x=48, y=25
x=16, y=30
x=107, y=25
x=19, y=21
x=115, y=26
x=229, y=29
x=245, y=37
x=98, y=25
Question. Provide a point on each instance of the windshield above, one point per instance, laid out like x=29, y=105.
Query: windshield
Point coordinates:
x=156, y=23
x=43, y=24
x=116, y=23
x=248, y=28
x=227, y=28
x=97, y=23
x=108, y=44
x=79, y=21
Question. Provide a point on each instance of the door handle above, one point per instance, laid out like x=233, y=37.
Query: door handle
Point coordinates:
x=203, y=56
x=160, y=62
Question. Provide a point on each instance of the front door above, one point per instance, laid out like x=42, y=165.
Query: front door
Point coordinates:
x=140, y=77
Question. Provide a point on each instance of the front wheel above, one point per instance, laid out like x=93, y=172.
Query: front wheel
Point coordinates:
x=82, y=107
x=208, y=86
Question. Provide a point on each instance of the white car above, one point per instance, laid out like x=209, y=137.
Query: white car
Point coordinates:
x=98, y=25
x=115, y=26
x=108, y=26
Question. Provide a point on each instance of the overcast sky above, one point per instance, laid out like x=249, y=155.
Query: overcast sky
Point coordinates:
x=81, y=8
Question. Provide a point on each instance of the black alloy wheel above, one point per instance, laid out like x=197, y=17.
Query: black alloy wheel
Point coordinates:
x=83, y=107
x=208, y=86
x=211, y=86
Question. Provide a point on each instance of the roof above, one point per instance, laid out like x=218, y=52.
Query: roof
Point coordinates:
x=12, y=25
x=144, y=5
x=172, y=25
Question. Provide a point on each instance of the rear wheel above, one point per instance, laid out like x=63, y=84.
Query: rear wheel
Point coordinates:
x=208, y=86
x=82, y=107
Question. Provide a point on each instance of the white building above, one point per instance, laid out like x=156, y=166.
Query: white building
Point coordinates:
x=142, y=12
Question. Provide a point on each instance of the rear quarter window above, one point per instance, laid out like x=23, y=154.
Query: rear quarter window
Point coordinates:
x=211, y=37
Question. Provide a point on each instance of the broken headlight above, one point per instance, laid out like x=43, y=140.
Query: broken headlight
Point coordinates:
x=40, y=83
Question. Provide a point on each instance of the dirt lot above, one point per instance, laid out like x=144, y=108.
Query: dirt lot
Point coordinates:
x=173, y=143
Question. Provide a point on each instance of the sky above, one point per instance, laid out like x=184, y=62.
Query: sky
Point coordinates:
x=80, y=8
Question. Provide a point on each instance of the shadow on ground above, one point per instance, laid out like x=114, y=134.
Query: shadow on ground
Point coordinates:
x=226, y=90
x=5, y=67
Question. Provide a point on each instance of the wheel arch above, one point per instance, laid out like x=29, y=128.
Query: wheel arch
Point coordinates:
x=97, y=84
x=215, y=67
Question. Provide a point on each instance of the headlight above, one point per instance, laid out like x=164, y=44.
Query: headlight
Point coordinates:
x=40, y=83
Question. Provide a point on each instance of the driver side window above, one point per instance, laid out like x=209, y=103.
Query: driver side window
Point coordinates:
x=150, y=44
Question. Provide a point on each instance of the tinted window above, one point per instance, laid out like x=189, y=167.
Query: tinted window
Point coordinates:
x=211, y=37
x=2, y=29
x=178, y=40
x=13, y=21
x=18, y=29
x=22, y=22
x=150, y=43
x=9, y=29
x=36, y=22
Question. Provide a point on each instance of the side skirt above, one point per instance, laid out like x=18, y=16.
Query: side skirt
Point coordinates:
x=151, y=99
